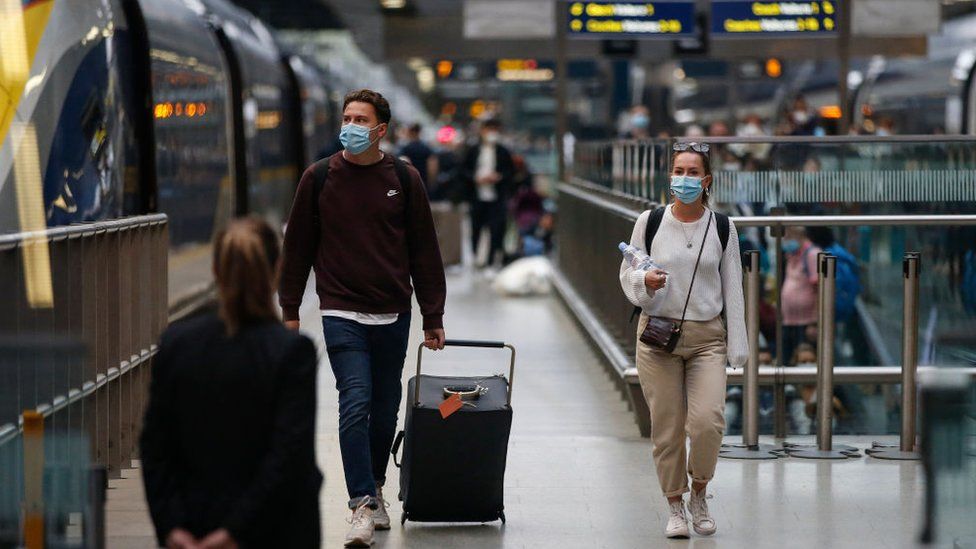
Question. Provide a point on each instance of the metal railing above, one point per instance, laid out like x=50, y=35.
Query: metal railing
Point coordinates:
x=81, y=362
x=795, y=170
x=593, y=220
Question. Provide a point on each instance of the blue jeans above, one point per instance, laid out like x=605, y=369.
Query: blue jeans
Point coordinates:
x=367, y=362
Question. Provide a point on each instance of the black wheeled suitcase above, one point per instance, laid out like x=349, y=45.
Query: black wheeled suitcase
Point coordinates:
x=453, y=468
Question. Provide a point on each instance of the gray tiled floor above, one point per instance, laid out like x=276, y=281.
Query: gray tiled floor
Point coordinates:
x=578, y=474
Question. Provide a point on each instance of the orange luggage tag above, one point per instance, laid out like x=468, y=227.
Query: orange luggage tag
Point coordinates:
x=450, y=405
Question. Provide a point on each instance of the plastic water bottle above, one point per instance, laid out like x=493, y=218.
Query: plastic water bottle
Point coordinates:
x=638, y=259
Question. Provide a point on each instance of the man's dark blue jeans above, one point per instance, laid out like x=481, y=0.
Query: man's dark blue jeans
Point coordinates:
x=367, y=362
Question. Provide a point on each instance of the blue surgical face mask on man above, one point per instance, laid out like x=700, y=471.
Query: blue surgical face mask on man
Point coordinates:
x=686, y=188
x=790, y=245
x=355, y=138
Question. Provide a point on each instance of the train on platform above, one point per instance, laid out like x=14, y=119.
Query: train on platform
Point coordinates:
x=192, y=108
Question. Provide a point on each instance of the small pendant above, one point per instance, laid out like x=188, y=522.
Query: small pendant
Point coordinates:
x=689, y=245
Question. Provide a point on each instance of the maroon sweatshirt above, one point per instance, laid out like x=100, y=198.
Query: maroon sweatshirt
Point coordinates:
x=370, y=247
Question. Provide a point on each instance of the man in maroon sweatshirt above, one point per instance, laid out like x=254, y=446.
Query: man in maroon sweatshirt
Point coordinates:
x=367, y=237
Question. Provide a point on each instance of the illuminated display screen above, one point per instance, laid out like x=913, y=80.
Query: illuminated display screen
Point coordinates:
x=748, y=18
x=667, y=19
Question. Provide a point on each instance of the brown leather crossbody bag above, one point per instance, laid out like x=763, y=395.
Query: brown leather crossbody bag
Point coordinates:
x=663, y=333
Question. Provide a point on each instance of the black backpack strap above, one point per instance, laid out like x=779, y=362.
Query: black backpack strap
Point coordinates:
x=653, y=224
x=403, y=175
x=320, y=172
x=722, y=224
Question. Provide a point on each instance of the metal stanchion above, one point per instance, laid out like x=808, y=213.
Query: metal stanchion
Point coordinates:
x=906, y=450
x=750, y=447
x=825, y=371
x=779, y=417
x=821, y=342
x=95, y=517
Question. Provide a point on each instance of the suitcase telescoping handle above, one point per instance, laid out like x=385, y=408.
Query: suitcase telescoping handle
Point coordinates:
x=468, y=343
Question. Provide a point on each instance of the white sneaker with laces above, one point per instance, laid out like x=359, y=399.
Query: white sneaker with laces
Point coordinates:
x=381, y=518
x=700, y=519
x=361, y=532
x=677, y=521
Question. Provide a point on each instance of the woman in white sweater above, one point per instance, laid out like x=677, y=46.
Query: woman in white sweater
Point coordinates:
x=685, y=387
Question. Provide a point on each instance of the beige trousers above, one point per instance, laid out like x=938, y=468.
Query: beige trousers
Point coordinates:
x=685, y=391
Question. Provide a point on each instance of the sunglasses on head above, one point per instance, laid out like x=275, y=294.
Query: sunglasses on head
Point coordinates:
x=697, y=147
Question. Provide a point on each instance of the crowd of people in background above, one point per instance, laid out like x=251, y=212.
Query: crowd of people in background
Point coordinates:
x=486, y=171
x=797, y=119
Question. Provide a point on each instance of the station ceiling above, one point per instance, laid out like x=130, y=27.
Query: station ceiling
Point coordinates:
x=433, y=29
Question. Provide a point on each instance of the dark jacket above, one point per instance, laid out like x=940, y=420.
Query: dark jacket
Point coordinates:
x=228, y=438
x=418, y=152
x=503, y=165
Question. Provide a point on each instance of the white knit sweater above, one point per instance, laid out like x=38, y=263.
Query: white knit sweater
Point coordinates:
x=713, y=288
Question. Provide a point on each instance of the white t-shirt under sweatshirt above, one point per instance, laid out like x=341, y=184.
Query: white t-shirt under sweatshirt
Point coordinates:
x=713, y=288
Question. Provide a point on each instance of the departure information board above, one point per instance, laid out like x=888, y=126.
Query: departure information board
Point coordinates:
x=662, y=19
x=752, y=19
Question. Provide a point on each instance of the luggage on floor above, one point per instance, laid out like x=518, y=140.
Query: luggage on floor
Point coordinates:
x=453, y=468
x=524, y=277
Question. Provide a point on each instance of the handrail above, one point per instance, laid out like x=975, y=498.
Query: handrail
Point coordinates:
x=882, y=375
x=82, y=229
x=853, y=220
x=794, y=139
x=832, y=139
x=793, y=220
x=587, y=194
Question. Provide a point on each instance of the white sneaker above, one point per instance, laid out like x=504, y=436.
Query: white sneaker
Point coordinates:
x=677, y=522
x=361, y=532
x=703, y=523
x=381, y=519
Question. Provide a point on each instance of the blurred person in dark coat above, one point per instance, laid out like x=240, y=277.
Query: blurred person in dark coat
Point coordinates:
x=489, y=172
x=227, y=448
x=420, y=155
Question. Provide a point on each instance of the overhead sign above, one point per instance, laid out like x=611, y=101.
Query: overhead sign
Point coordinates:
x=748, y=18
x=662, y=19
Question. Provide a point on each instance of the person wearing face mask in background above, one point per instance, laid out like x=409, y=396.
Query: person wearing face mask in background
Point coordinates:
x=685, y=386
x=752, y=126
x=488, y=172
x=637, y=123
x=361, y=219
x=799, y=292
x=802, y=119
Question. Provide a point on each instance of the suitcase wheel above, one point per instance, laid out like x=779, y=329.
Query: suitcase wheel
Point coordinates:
x=501, y=515
x=403, y=518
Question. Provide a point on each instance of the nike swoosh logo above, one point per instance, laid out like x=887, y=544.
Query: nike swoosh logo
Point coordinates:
x=392, y=193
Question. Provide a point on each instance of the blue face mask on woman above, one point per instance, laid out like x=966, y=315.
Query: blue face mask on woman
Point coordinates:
x=355, y=138
x=790, y=246
x=686, y=188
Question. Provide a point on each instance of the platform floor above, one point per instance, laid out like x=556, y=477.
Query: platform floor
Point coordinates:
x=579, y=475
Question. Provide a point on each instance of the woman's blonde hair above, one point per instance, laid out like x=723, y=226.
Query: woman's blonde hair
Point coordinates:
x=246, y=269
x=706, y=163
